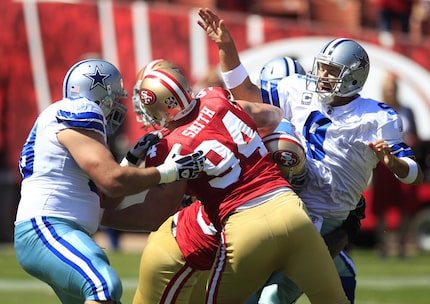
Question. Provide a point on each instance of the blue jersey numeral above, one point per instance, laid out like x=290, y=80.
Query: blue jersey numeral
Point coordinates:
x=314, y=131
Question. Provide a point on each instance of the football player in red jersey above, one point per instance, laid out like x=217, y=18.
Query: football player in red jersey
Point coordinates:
x=243, y=191
x=192, y=237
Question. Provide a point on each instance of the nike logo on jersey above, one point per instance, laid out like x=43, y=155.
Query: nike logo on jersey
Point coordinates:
x=306, y=98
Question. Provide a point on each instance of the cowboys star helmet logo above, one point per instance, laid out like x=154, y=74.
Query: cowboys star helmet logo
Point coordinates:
x=361, y=63
x=97, y=78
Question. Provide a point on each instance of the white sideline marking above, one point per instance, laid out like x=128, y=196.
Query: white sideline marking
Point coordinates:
x=386, y=283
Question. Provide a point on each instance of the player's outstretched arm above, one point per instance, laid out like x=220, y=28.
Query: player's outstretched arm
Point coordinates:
x=406, y=169
x=91, y=153
x=234, y=74
x=266, y=117
x=147, y=212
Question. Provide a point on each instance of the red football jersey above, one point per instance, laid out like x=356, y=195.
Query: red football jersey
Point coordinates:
x=238, y=167
x=196, y=236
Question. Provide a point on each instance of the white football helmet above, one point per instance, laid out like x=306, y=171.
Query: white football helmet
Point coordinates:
x=101, y=82
x=289, y=155
x=156, y=64
x=165, y=95
x=352, y=60
x=278, y=68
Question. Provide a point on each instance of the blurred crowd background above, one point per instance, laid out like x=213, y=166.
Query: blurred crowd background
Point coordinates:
x=41, y=39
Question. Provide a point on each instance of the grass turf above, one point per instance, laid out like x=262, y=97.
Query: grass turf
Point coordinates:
x=379, y=281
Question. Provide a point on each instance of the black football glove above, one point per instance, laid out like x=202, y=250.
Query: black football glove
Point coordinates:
x=352, y=223
x=139, y=150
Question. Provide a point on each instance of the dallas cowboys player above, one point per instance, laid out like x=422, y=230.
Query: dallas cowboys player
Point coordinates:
x=67, y=168
x=345, y=135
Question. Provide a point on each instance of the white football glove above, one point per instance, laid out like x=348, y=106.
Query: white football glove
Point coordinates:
x=180, y=167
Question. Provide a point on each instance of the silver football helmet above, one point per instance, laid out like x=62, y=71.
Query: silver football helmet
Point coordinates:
x=141, y=115
x=289, y=155
x=165, y=95
x=353, y=62
x=101, y=82
x=278, y=68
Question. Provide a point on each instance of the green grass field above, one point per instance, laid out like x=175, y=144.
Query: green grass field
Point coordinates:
x=379, y=282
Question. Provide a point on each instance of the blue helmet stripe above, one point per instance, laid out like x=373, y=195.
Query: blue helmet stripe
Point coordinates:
x=287, y=67
x=330, y=47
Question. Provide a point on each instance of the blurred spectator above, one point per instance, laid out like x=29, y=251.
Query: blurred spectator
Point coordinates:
x=393, y=16
x=10, y=144
x=237, y=5
x=9, y=189
x=388, y=191
x=394, y=11
x=419, y=17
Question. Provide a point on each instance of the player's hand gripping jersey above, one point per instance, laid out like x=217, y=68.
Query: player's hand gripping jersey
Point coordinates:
x=328, y=134
x=233, y=150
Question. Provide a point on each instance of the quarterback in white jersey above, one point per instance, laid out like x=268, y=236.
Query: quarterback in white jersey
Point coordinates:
x=339, y=160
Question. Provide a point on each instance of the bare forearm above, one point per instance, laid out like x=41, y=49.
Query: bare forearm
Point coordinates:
x=228, y=56
x=407, y=170
x=133, y=218
x=123, y=181
x=146, y=211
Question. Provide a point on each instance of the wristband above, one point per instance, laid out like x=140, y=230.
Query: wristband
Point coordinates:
x=167, y=173
x=412, y=173
x=235, y=77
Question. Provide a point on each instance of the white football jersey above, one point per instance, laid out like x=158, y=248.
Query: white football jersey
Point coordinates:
x=339, y=161
x=53, y=184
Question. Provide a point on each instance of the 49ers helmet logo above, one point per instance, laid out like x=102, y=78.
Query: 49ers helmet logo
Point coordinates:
x=147, y=97
x=286, y=158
